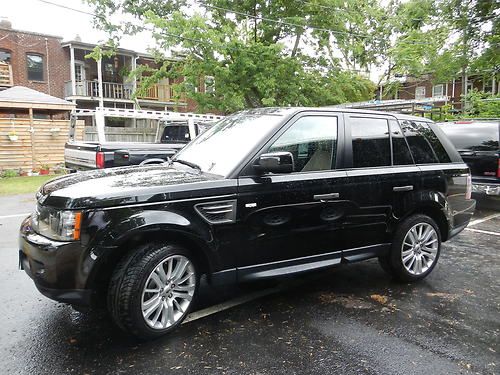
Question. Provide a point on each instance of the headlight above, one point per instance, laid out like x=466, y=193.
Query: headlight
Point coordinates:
x=56, y=224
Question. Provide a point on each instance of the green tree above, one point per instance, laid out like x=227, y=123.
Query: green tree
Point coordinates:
x=447, y=38
x=260, y=53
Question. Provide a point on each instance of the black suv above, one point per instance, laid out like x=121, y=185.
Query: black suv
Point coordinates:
x=264, y=193
x=477, y=141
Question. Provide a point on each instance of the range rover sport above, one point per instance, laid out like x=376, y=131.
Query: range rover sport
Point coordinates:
x=262, y=194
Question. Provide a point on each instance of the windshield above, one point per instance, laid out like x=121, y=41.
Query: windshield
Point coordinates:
x=220, y=149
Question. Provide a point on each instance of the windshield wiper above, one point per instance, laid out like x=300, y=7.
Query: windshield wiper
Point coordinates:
x=185, y=162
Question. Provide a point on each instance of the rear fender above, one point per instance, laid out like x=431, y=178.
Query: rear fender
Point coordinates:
x=434, y=205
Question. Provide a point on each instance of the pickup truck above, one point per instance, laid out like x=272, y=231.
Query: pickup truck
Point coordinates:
x=174, y=137
x=86, y=155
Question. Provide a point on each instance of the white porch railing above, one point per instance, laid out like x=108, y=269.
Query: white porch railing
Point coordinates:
x=90, y=89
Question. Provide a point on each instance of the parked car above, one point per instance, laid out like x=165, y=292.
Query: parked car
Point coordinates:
x=477, y=141
x=262, y=194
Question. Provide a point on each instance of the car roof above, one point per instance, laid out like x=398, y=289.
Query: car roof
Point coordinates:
x=283, y=111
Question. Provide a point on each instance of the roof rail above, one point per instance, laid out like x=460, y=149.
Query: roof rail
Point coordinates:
x=145, y=114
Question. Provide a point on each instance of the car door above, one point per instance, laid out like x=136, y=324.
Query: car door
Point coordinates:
x=381, y=179
x=293, y=219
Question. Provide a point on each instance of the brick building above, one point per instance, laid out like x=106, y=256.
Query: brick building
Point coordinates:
x=47, y=64
x=424, y=87
x=32, y=60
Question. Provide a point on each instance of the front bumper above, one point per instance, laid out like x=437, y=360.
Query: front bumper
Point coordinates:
x=52, y=265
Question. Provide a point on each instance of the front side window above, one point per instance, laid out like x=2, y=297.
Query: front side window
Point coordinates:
x=420, y=92
x=370, y=142
x=312, y=140
x=34, y=64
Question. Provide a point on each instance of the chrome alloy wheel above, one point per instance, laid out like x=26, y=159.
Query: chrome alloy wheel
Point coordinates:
x=419, y=249
x=168, y=292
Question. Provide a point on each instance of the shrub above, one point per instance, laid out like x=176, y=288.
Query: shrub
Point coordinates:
x=9, y=173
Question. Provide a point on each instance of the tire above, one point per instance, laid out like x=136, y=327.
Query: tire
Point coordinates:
x=138, y=284
x=415, y=249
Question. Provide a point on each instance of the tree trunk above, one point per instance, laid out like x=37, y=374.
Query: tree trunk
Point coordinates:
x=296, y=45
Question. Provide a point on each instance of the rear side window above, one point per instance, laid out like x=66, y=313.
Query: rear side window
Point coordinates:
x=424, y=144
x=370, y=142
x=400, y=152
x=176, y=134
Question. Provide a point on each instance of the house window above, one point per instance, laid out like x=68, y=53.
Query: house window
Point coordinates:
x=5, y=57
x=420, y=92
x=5, y=69
x=34, y=64
x=438, y=90
x=209, y=84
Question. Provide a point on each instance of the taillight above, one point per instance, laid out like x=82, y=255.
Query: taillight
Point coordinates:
x=498, y=167
x=468, y=190
x=99, y=160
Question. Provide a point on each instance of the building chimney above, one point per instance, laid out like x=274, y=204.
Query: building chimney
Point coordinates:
x=5, y=24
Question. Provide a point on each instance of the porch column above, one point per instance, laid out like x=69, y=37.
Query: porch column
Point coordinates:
x=99, y=82
x=72, y=69
x=133, y=65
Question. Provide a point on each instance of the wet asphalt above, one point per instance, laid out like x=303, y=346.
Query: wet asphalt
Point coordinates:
x=351, y=319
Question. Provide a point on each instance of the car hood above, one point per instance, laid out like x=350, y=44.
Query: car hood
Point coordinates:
x=130, y=185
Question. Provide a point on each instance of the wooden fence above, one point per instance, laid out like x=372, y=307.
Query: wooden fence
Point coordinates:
x=139, y=134
x=37, y=145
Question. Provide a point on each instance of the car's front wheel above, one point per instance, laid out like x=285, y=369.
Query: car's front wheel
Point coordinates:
x=415, y=249
x=152, y=290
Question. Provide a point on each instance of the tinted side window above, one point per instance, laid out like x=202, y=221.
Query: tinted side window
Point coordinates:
x=312, y=140
x=420, y=147
x=436, y=145
x=401, y=154
x=175, y=133
x=474, y=136
x=424, y=144
x=370, y=142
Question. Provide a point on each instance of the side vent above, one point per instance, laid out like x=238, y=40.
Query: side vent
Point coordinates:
x=217, y=212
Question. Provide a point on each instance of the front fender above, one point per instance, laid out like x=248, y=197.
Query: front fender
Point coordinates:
x=110, y=233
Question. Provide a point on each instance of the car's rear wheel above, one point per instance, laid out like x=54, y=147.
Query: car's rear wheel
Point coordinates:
x=415, y=249
x=152, y=290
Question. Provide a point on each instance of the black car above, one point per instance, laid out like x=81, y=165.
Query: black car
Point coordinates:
x=262, y=194
x=477, y=141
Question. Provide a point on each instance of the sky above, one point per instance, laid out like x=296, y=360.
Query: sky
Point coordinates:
x=37, y=16
x=42, y=17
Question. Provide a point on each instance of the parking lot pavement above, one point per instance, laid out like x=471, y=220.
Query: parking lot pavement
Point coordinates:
x=349, y=320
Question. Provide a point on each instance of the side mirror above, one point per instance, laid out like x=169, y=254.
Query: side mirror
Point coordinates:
x=275, y=162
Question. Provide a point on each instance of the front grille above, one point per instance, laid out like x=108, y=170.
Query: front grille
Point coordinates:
x=218, y=212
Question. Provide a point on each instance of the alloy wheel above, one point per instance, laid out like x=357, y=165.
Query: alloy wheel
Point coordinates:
x=168, y=292
x=419, y=248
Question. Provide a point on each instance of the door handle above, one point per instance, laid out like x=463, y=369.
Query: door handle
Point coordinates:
x=325, y=197
x=403, y=188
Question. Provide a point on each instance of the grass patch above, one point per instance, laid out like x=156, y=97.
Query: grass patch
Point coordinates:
x=22, y=185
